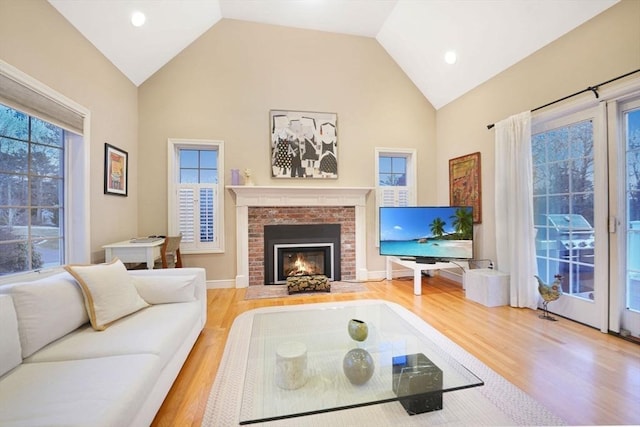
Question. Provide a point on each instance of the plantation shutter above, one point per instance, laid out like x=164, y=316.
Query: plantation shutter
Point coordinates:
x=393, y=196
x=207, y=215
x=197, y=213
x=187, y=215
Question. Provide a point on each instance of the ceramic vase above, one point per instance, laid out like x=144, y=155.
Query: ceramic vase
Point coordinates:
x=358, y=330
x=358, y=366
x=291, y=365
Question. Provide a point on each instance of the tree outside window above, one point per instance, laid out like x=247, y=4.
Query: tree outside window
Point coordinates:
x=31, y=192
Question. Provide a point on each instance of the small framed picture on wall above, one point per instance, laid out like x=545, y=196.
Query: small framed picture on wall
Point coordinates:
x=116, y=169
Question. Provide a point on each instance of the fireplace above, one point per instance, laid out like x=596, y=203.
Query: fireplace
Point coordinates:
x=301, y=250
x=257, y=206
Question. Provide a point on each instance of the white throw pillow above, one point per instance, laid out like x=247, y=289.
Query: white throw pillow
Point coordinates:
x=165, y=289
x=109, y=293
x=47, y=309
x=10, y=352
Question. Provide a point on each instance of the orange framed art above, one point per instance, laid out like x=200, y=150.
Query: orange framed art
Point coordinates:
x=465, y=187
x=116, y=171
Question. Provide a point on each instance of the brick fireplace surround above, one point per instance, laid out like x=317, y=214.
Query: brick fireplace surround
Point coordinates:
x=278, y=215
x=257, y=206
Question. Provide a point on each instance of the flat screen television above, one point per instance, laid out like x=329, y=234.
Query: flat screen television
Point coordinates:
x=427, y=234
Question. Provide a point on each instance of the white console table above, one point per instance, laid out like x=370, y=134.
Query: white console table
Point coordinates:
x=418, y=268
x=127, y=251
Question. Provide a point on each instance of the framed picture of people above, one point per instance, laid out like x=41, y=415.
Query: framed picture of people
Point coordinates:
x=303, y=144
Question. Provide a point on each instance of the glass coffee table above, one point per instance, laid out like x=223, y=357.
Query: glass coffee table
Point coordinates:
x=407, y=366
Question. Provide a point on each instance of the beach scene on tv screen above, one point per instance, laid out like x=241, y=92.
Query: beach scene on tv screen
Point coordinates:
x=432, y=232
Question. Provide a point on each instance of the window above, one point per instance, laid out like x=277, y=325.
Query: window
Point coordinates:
x=44, y=177
x=395, y=179
x=392, y=170
x=31, y=192
x=195, y=194
x=395, y=173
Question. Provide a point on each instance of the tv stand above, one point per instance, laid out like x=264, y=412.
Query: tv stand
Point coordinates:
x=418, y=268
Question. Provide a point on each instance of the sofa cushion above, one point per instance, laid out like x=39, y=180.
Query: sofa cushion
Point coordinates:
x=38, y=305
x=158, y=330
x=165, y=289
x=95, y=392
x=109, y=293
x=10, y=351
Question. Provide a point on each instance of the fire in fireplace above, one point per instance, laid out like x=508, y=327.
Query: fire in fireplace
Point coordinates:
x=302, y=260
x=303, y=264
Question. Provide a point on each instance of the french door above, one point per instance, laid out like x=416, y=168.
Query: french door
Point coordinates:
x=624, y=189
x=570, y=212
x=586, y=190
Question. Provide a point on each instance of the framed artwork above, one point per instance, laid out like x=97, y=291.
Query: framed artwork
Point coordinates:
x=116, y=170
x=465, y=188
x=303, y=144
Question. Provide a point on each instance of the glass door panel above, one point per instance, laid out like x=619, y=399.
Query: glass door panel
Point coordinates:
x=566, y=191
x=629, y=232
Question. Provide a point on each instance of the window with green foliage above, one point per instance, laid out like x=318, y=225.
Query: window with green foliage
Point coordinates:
x=32, y=183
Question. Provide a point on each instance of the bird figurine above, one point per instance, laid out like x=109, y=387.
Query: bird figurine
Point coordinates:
x=549, y=293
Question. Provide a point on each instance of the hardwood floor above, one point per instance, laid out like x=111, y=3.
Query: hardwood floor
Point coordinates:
x=579, y=373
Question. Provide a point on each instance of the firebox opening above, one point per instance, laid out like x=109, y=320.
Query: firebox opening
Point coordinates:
x=295, y=260
x=311, y=240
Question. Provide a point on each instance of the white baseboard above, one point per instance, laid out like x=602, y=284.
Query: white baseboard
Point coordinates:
x=221, y=284
x=455, y=275
x=452, y=274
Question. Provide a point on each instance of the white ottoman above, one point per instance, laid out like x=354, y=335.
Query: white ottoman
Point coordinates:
x=486, y=286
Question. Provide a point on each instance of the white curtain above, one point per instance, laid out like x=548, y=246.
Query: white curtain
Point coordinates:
x=515, y=232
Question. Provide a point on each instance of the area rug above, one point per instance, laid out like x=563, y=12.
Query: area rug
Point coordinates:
x=278, y=291
x=498, y=402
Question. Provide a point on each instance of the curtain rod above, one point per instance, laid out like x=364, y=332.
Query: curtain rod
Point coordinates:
x=593, y=89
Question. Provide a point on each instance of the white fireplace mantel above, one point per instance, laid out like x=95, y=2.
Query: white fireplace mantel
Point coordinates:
x=252, y=196
x=247, y=195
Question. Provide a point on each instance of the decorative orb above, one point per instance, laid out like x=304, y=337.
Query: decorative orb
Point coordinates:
x=358, y=330
x=358, y=366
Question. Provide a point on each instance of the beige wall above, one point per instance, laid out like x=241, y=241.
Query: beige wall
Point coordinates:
x=223, y=86
x=37, y=40
x=225, y=83
x=603, y=48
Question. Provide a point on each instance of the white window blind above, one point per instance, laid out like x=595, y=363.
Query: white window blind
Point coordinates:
x=32, y=97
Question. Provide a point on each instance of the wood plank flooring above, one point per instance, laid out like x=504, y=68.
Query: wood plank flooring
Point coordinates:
x=582, y=375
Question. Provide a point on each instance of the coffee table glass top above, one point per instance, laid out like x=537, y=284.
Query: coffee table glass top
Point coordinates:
x=323, y=331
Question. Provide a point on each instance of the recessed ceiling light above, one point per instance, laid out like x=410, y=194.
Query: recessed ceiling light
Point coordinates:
x=450, y=57
x=138, y=19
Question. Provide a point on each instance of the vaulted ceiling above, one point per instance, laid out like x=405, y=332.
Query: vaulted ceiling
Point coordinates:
x=488, y=36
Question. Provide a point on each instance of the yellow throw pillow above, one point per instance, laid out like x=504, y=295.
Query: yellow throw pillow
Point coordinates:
x=109, y=292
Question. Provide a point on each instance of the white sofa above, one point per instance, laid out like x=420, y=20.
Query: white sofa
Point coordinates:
x=58, y=370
